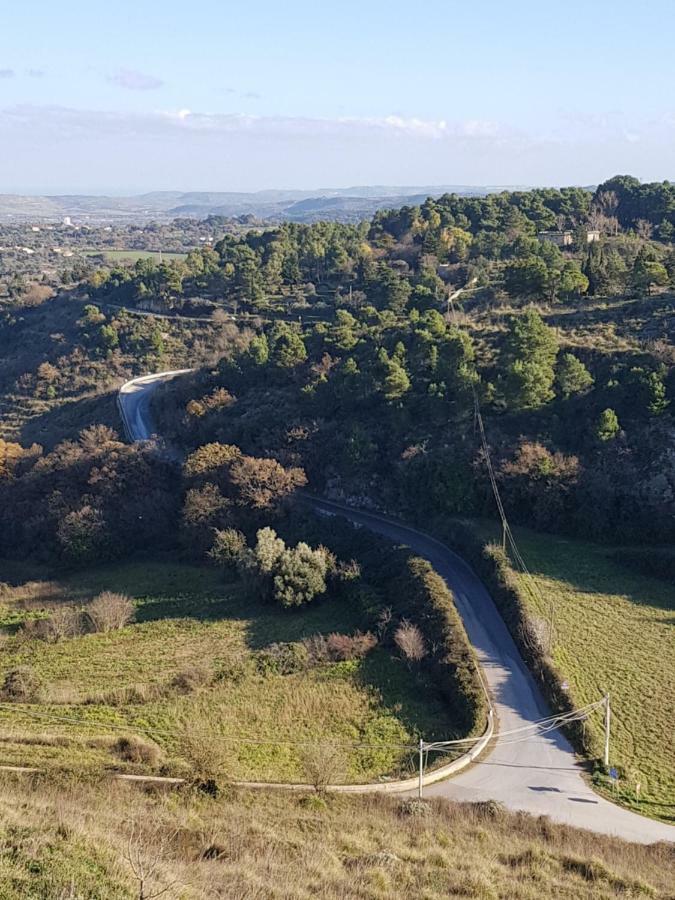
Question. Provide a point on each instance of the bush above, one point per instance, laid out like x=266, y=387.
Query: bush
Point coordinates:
x=136, y=750
x=188, y=680
x=323, y=764
x=64, y=622
x=110, y=612
x=205, y=751
x=410, y=641
x=345, y=647
x=22, y=684
x=228, y=547
x=283, y=659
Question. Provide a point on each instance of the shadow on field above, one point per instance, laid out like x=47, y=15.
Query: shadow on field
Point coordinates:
x=65, y=421
x=591, y=569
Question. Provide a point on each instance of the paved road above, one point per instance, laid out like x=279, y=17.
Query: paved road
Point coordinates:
x=540, y=775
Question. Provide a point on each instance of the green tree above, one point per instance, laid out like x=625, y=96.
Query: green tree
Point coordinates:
x=395, y=379
x=608, y=425
x=573, y=377
x=526, y=277
x=648, y=272
x=529, y=357
x=288, y=346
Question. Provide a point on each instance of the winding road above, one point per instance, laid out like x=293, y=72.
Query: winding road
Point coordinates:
x=540, y=775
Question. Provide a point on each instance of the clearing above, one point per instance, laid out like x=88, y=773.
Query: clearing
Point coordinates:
x=194, y=660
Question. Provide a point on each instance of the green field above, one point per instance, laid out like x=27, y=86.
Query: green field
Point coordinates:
x=188, y=620
x=614, y=632
x=134, y=255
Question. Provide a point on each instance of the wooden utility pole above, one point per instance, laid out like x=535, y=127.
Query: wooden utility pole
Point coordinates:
x=608, y=715
x=421, y=778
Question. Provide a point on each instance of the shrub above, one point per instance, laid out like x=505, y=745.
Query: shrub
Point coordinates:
x=204, y=750
x=323, y=764
x=345, y=647
x=64, y=622
x=283, y=659
x=110, y=611
x=188, y=680
x=300, y=575
x=415, y=808
x=410, y=641
x=22, y=684
x=136, y=750
x=228, y=546
x=317, y=650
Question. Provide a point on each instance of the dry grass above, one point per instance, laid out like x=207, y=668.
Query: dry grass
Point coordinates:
x=79, y=840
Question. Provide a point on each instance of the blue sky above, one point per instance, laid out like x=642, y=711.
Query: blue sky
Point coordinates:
x=123, y=96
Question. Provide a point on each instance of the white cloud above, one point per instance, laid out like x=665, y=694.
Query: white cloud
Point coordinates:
x=132, y=80
x=168, y=147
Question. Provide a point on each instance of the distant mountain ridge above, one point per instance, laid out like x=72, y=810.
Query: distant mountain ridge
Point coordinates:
x=340, y=204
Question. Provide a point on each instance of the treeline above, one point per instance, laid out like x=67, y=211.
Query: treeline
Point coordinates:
x=404, y=258
x=381, y=407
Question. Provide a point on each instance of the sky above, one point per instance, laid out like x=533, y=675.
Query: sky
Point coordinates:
x=126, y=97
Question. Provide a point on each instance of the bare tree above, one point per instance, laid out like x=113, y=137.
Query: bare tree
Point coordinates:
x=383, y=622
x=410, y=641
x=145, y=853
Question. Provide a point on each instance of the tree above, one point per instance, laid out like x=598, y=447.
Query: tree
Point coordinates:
x=395, y=379
x=573, y=377
x=608, y=425
x=263, y=483
x=290, y=575
x=300, y=575
x=529, y=356
x=288, y=347
x=648, y=272
x=526, y=277
x=571, y=281
x=229, y=546
x=83, y=535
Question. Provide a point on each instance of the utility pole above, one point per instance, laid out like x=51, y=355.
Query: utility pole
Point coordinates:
x=421, y=778
x=608, y=715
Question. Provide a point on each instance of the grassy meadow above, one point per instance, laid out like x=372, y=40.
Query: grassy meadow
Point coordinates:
x=613, y=631
x=133, y=256
x=193, y=662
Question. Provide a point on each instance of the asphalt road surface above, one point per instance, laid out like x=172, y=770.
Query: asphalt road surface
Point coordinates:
x=540, y=775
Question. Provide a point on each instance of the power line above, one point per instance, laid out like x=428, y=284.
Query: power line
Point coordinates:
x=507, y=534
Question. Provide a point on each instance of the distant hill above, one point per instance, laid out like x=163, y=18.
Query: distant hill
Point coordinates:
x=341, y=204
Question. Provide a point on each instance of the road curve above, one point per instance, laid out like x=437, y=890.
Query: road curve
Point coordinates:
x=540, y=775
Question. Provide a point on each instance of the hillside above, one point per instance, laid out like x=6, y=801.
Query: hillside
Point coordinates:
x=70, y=839
x=339, y=204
